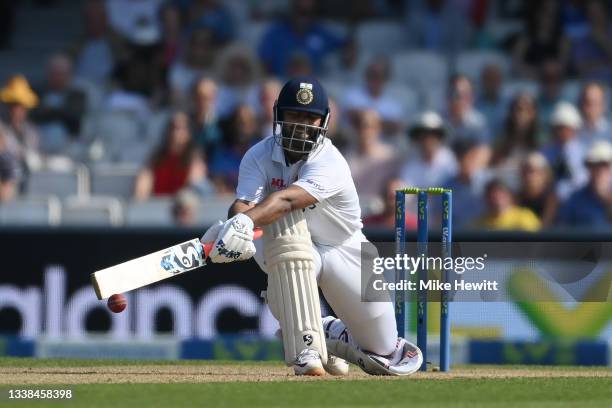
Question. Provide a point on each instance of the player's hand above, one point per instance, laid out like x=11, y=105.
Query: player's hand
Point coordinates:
x=234, y=241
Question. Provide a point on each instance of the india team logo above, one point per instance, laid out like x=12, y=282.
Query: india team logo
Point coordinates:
x=304, y=94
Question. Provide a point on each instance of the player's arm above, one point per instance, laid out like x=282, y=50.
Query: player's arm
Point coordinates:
x=239, y=206
x=279, y=203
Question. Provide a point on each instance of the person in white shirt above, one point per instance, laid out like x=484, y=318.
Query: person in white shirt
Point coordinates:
x=433, y=162
x=299, y=168
x=374, y=94
x=595, y=125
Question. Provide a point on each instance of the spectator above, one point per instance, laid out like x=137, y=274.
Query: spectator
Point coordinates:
x=262, y=102
x=299, y=65
x=127, y=93
x=100, y=48
x=438, y=25
x=205, y=126
x=374, y=95
x=519, y=136
x=502, y=213
x=434, y=162
x=462, y=119
x=591, y=54
x=171, y=34
x=371, y=160
x=22, y=137
x=537, y=188
x=566, y=153
x=9, y=172
x=176, y=163
x=590, y=206
x=340, y=136
x=467, y=184
x=238, y=71
x=299, y=33
x=386, y=219
x=212, y=15
x=344, y=66
x=240, y=132
x=490, y=102
x=543, y=40
x=595, y=125
x=550, y=90
x=197, y=60
x=61, y=105
x=185, y=208
x=136, y=21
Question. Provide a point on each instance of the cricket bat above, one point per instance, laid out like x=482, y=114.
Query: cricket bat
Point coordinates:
x=151, y=268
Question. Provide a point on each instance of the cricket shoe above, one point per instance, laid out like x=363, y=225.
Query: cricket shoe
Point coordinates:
x=336, y=366
x=404, y=360
x=308, y=362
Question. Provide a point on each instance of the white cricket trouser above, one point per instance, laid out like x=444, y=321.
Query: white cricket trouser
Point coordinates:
x=338, y=268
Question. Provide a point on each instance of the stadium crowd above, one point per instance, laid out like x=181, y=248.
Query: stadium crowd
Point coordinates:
x=504, y=102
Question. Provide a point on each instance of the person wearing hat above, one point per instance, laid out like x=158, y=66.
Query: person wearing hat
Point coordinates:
x=21, y=136
x=19, y=98
x=591, y=206
x=565, y=153
x=293, y=181
x=433, y=162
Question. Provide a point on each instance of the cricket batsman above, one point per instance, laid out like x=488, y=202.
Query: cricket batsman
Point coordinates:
x=298, y=188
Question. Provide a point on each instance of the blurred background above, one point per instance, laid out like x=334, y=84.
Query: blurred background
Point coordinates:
x=132, y=112
x=136, y=113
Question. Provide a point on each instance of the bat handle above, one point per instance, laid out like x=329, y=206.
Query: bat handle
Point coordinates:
x=257, y=233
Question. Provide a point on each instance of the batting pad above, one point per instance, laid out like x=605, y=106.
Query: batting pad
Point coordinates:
x=293, y=295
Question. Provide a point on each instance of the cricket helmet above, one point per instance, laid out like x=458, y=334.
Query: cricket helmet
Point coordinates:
x=301, y=94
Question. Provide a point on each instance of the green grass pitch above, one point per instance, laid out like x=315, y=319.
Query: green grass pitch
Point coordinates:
x=102, y=383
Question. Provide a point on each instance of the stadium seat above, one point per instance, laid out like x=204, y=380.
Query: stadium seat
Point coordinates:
x=113, y=180
x=471, y=63
x=434, y=98
x=62, y=181
x=93, y=92
x=213, y=209
x=153, y=212
x=95, y=211
x=405, y=95
x=381, y=37
x=252, y=33
x=511, y=88
x=116, y=130
x=156, y=125
x=31, y=210
x=421, y=69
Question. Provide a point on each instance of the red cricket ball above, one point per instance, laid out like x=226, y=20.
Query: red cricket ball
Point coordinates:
x=117, y=303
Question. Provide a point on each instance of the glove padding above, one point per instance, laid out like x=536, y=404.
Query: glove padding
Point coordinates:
x=234, y=241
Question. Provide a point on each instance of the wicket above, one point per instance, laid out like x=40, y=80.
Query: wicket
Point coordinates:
x=422, y=274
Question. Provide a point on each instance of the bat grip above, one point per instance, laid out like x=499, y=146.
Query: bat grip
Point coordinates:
x=257, y=233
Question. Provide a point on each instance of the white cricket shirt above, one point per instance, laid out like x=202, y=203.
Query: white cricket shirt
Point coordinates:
x=325, y=175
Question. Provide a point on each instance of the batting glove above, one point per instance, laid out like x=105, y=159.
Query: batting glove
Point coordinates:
x=234, y=241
